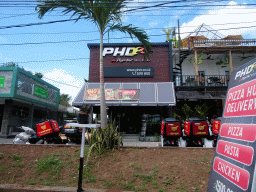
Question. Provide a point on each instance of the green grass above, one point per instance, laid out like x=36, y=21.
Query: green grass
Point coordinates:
x=48, y=183
x=154, y=184
x=1, y=156
x=162, y=189
x=167, y=181
x=129, y=186
x=181, y=187
x=51, y=164
x=2, y=169
x=193, y=161
x=136, y=166
x=143, y=187
x=205, y=160
x=91, y=179
x=120, y=177
x=31, y=182
x=19, y=164
x=17, y=157
x=107, y=184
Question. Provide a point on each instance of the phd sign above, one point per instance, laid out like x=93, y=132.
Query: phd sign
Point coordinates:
x=233, y=167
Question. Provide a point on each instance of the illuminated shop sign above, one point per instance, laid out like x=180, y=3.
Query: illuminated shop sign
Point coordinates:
x=241, y=100
x=124, y=51
x=113, y=94
x=131, y=72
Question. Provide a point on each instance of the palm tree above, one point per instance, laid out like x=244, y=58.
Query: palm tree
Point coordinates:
x=107, y=16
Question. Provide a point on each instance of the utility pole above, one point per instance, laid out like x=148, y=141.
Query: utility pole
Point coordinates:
x=181, y=80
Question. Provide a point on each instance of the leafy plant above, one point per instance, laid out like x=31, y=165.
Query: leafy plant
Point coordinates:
x=100, y=137
x=187, y=112
x=225, y=61
x=202, y=110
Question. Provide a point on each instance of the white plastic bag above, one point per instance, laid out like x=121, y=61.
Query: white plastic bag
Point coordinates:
x=28, y=130
x=23, y=136
x=18, y=141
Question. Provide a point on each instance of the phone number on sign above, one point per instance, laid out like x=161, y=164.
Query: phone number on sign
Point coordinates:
x=220, y=187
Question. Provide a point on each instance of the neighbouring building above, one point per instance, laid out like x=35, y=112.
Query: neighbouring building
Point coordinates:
x=214, y=56
x=25, y=100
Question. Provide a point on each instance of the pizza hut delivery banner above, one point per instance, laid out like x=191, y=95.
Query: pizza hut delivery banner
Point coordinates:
x=113, y=94
x=233, y=168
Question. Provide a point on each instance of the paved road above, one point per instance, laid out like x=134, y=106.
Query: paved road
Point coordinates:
x=126, y=142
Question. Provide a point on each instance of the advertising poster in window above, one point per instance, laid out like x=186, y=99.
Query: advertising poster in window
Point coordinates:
x=113, y=94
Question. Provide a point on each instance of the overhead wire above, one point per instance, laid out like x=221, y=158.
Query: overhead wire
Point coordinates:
x=60, y=82
x=153, y=28
x=89, y=40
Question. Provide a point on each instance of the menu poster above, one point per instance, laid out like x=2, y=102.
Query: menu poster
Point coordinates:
x=233, y=168
x=113, y=94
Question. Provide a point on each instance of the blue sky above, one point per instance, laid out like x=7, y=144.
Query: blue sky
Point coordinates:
x=35, y=57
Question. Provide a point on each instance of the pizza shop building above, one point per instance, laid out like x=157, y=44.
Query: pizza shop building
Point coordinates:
x=136, y=89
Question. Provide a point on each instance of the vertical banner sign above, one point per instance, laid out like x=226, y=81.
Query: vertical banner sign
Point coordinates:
x=233, y=168
x=2, y=80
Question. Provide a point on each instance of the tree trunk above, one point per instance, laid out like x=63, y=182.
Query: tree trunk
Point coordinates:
x=103, y=111
x=230, y=63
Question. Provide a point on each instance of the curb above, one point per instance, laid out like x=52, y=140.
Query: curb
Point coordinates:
x=25, y=188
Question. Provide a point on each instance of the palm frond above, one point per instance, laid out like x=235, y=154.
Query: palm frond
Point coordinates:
x=140, y=34
x=100, y=12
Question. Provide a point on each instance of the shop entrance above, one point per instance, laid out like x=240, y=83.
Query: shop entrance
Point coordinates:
x=1, y=115
x=129, y=118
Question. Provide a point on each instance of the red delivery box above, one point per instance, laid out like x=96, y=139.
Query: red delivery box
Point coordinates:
x=46, y=128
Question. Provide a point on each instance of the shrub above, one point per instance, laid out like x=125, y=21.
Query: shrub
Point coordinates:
x=104, y=139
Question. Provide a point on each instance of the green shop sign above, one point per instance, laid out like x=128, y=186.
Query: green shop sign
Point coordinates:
x=2, y=79
x=40, y=92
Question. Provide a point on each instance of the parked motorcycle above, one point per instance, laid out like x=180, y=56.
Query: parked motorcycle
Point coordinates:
x=215, y=130
x=47, y=132
x=197, y=133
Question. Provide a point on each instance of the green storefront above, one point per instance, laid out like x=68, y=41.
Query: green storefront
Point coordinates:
x=25, y=100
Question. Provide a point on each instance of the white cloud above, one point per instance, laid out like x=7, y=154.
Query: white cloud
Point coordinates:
x=153, y=23
x=226, y=18
x=66, y=80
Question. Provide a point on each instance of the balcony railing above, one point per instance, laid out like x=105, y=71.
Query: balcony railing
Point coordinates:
x=201, y=81
x=223, y=42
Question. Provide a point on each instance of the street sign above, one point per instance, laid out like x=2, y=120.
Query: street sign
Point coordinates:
x=234, y=162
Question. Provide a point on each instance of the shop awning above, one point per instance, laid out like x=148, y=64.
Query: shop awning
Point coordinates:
x=128, y=94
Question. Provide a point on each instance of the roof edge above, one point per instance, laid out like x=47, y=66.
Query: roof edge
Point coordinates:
x=126, y=44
